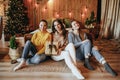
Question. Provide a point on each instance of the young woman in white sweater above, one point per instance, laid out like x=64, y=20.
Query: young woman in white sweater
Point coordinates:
x=66, y=51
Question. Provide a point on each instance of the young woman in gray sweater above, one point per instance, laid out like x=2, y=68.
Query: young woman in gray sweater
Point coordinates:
x=85, y=49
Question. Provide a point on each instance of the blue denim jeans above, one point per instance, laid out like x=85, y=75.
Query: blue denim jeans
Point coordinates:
x=30, y=49
x=86, y=48
x=83, y=50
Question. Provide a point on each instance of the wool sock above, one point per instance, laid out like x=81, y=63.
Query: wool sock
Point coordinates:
x=77, y=73
x=109, y=69
x=22, y=63
x=19, y=59
x=87, y=64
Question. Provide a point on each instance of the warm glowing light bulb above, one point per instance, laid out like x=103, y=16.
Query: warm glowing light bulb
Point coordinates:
x=70, y=14
x=44, y=10
x=83, y=15
x=36, y=5
x=57, y=15
x=50, y=1
x=86, y=9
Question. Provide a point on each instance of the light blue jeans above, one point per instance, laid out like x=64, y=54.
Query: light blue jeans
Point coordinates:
x=86, y=48
x=30, y=49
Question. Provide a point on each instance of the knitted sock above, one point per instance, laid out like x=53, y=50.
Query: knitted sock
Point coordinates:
x=22, y=63
x=87, y=64
x=77, y=73
x=109, y=69
x=19, y=59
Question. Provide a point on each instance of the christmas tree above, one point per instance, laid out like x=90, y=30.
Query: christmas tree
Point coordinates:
x=17, y=18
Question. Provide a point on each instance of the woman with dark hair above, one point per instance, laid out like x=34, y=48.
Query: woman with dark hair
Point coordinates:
x=66, y=51
x=36, y=47
x=85, y=49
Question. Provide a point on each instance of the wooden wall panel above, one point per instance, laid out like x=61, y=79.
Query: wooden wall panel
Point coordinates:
x=48, y=9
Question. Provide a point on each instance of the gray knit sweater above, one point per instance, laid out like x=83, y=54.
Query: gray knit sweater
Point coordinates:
x=75, y=39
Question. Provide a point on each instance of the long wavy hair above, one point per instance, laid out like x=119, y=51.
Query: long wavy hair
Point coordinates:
x=64, y=31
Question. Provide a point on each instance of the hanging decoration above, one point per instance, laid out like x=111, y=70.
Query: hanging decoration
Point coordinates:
x=86, y=8
x=57, y=15
x=44, y=9
x=70, y=14
x=56, y=9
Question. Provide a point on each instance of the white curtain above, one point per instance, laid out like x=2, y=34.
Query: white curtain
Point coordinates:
x=110, y=19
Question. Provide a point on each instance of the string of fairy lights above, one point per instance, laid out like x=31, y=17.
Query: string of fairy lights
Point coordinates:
x=57, y=13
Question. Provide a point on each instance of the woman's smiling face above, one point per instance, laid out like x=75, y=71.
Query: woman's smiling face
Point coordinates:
x=75, y=25
x=57, y=26
x=42, y=26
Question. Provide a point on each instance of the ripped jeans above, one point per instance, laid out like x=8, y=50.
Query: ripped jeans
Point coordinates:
x=86, y=49
x=29, y=49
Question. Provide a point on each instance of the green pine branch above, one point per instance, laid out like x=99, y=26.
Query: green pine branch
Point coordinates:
x=17, y=18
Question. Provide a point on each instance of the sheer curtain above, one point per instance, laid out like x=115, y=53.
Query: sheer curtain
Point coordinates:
x=1, y=26
x=110, y=19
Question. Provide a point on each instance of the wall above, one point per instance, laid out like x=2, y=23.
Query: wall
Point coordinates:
x=49, y=9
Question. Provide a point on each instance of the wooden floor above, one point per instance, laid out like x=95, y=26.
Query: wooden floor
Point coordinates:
x=98, y=74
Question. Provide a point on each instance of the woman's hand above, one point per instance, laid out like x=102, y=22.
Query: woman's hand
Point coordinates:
x=59, y=51
x=96, y=47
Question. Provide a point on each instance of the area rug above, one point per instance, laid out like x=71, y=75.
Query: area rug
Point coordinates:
x=47, y=66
